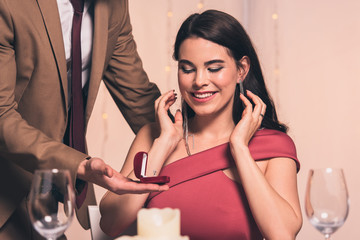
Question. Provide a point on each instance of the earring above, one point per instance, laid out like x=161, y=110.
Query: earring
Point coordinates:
x=242, y=91
x=241, y=86
x=185, y=127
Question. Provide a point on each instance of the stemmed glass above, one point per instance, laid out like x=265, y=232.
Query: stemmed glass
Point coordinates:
x=326, y=200
x=51, y=202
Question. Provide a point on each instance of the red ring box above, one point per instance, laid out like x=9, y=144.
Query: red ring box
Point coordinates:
x=140, y=163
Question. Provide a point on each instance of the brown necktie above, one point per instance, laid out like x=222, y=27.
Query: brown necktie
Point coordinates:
x=77, y=122
x=77, y=119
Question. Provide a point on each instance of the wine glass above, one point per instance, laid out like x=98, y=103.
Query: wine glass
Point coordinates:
x=51, y=202
x=326, y=200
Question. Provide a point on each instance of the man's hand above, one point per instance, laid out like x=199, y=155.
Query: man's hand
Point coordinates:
x=95, y=170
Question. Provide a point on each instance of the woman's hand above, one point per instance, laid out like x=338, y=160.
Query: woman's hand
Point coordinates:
x=250, y=120
x=172, y=130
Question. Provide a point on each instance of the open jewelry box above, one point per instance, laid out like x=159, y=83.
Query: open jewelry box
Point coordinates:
x=140, y=164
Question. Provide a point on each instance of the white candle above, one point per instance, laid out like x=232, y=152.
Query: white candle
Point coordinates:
x=156, y=222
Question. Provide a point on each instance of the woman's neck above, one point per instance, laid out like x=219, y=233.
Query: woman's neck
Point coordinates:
x=207, y=127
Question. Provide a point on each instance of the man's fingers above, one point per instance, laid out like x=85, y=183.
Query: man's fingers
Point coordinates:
x=146, y=187
x=109, y=171
x=128, y=185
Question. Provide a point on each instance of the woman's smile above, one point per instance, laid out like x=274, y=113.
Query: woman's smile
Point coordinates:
x=203, y=96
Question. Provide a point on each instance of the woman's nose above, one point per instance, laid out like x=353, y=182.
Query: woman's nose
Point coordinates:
x=201, y=79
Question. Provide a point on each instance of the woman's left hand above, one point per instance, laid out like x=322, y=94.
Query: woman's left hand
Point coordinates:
x=250, y=120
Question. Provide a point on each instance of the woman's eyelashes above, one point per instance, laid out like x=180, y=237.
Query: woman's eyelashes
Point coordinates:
x=188, y=70
x=215, y=69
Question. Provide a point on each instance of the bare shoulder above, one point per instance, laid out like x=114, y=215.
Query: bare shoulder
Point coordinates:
x=281, y=166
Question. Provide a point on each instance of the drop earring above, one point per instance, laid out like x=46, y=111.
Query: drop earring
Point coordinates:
x=242, y=91
x=241, y=86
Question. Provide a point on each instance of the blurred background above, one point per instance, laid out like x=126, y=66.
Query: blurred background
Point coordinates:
x=310, y=55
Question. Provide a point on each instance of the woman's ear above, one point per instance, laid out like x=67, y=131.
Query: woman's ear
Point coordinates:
x=243, y=68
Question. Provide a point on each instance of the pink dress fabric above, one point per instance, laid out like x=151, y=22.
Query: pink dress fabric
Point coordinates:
x=212, y=205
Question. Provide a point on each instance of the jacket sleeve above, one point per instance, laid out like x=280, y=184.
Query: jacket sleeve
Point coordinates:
x=125, y=77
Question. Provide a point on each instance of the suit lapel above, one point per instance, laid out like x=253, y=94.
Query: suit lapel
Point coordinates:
x=50, y=15
x=98, y=54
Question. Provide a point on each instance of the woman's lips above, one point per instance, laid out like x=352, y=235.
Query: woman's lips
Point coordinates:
x=203, y=96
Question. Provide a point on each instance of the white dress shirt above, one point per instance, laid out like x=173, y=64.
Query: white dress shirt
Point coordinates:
x=66, y=12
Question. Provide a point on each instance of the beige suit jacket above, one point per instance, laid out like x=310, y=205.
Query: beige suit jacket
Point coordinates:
x=34, y=94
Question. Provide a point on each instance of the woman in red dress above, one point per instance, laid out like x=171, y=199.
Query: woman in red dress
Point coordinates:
x=232, y=167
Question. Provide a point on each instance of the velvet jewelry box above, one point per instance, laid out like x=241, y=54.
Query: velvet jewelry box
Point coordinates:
x=140, y=164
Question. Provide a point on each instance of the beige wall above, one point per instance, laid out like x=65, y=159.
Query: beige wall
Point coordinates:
x=316, y=47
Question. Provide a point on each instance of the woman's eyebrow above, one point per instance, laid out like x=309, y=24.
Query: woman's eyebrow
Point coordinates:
x=184, y=61
x=213, y=61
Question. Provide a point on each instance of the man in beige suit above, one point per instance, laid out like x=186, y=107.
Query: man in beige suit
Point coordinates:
x=34, y=101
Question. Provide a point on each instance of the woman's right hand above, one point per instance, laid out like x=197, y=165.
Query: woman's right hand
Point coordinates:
x=250, y=120
x=168, y=129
